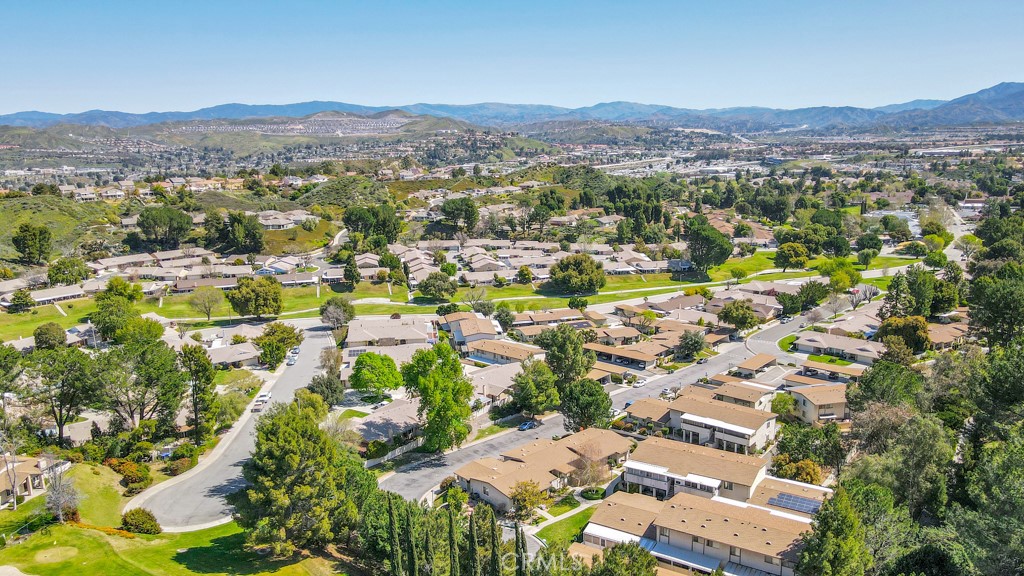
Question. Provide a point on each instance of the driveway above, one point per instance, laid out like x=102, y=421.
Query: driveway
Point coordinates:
x=198, y=497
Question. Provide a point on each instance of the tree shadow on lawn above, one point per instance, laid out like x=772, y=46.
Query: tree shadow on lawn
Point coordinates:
x=228, y=554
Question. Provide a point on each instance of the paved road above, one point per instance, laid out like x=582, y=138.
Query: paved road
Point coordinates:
x=200, y=497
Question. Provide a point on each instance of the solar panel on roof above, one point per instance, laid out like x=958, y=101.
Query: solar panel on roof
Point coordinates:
x=794, y=502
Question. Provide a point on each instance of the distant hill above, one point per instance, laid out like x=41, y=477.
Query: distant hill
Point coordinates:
x=1001, y=103
x=912, y=105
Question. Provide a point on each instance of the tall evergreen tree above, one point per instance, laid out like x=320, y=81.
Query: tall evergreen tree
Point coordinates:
x=471, y=551
x=413, y=562
x=836, y=544
x=521, y=569
x=395, y=545
x=453, y=545
x=428, y=552
x=494, y=569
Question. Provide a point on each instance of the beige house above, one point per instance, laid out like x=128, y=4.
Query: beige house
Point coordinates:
x=662, y=468
x=501, y=351
x=748, y=394
x=863, y=351
x=722, y=425
x=820, y=404
x=551, y=464
x=371, y=331
x=30, y=474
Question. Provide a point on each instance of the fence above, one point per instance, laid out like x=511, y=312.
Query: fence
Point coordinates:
x=394, y=453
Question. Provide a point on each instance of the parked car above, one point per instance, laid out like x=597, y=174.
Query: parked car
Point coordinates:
x=702, y=361
x=259, y=405
x=628, y=404
x=264, y=396
x=528, y=425
x=291, y=361
x=785, y=320
x=295, y=350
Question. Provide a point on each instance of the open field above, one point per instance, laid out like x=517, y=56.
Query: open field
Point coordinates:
x=298, y=240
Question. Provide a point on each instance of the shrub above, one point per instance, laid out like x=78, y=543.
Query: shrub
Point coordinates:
x=592, y=493
x=377, y=448
x=140, y=521
x=180, y=466
x=188, y=451
x=137, y=487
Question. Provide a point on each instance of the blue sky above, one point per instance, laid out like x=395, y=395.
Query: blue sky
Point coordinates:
x=142, y=56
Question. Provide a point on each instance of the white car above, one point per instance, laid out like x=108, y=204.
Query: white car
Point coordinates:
x=639, y=383
x=291, y=361
x=264, y=397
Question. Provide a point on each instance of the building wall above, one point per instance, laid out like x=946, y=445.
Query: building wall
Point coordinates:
x=722, y=551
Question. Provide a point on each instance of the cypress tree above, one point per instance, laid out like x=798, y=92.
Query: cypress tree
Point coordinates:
x=428, y=551
x=520, y=557
x=396, y=549
x=410, y=546
x=453, y=545
x=474, y=564
x=495, y=566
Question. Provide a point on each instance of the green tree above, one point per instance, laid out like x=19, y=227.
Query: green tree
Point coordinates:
x=921, y=474
x=472, y=554
x=524, y=275
x=33, y=242
x=896, y=350
x=585, y=404
x=936, y=259
x=244, y=233
x=898, y=301
x=739, y=313
x=257, y=297
x=869, y=241
x=886, y=382
x=285, y=334
x=534, y=388
x=866, y=256
x=503, y=314
x=783, y=404
x=272, y=354
x=21, y=301
x=49, y=336
x=565, y=354
x=164, y=225
x=691, y=343
x=351, y=274
x=112, y=314
x=461, y=213
x=118, y=287
x=206, y=299
x=396, y=549
x=438, y=286
x=578, y=303
x=526, y=497
x=630, y=559
x=997, y=306
x=968, y=245
x=142, y=381
x=329, y=387
x=375, y=373
x=811, y=293
x=296, y=495
x=913, y=330
x=66, y=271
x=337, y=311
x=921, y=284
x=708, y=247
x=62, y=383
x=791, y=255
x=577, y=274
x=835, y=546
x=436, y=376
x=201, y=395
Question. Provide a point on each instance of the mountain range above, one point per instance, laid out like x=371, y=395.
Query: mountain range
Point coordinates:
x=999, y=104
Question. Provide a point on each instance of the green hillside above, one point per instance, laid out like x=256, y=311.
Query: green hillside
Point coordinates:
x=70, y=222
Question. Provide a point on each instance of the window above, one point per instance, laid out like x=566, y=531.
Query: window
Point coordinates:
x=663, y=530
x=696, y=539
x=734, y=551
x=726, y=485
x=710, y=543
x=770, y=559
x=486, y=491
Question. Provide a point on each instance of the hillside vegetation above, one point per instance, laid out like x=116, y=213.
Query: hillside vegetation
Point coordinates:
x=70, y=222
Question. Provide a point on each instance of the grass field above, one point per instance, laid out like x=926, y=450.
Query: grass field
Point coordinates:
x=828, y=359
x=786, y=342
x=566, y=530
x=215, y=551
x=13, y=326
x=567, y=503
x=297, y=240
x=352, y=413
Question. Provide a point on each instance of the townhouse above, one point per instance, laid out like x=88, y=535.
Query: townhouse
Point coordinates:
x=857, y=350
x=820, y=404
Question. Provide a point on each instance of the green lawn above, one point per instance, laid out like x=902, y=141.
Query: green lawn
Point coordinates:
x=100, y=492
x=829, y=359
x=493, y=429
x=32, y=511
x=214, y=551
x=567, y=503
x=786, y=342
x=13, y=326
x=880, y=283
x=238, y=380
x=297, y=240
x=351, y=413
x=565, y=531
